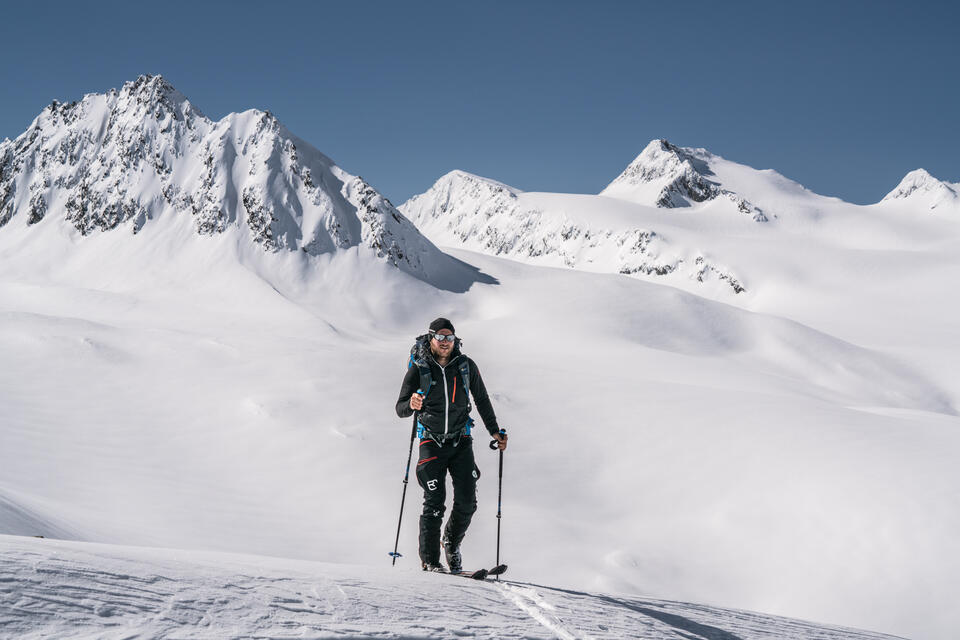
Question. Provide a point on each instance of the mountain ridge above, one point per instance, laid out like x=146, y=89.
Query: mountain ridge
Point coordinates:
x=477, y=213
x=125, y=158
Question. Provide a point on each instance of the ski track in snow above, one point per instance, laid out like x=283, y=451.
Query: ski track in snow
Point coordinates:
x=80, y=590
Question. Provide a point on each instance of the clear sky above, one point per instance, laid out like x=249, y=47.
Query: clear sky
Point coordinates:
x=844, y=97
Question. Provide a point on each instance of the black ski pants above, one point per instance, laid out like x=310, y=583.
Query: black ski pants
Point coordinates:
x=455, y=456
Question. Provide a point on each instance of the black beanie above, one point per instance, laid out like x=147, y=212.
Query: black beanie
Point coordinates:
x=441, y=323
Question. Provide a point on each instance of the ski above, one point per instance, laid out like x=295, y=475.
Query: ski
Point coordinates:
x=482, y=574
x=479, y=574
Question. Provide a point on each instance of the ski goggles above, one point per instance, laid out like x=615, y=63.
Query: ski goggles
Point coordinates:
x=439, y=337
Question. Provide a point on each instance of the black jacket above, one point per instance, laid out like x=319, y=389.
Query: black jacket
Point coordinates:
x=446, y=407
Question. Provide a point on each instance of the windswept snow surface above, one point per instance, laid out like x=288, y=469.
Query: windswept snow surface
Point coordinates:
x=788, y=449
x=75, y=590
x=662, y=443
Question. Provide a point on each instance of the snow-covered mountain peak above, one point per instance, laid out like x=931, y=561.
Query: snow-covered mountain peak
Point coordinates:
x=661, y=160
x=146, y=99
x=156, y=92
x=464, y=195
x=459, y=179
x=128, y=158
x=484, y=215
x=667, y=176
x=920, y=184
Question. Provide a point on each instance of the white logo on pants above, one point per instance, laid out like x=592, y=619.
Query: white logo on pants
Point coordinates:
x=432, y=485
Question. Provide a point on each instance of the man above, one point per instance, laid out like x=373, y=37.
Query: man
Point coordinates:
x=445, y=442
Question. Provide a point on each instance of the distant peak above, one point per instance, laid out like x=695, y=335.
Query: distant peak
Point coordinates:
x=460, y=176
x=661, y=158
x=920, y=182
x=658, y=145
x=661, y=146
x=154, y=91
x=678, y=175
x=665, y=175
x=151, y=86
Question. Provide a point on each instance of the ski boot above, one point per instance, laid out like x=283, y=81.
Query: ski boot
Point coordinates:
x=452, y=552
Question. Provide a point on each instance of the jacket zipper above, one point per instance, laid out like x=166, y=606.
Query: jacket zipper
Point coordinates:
x=446, y=401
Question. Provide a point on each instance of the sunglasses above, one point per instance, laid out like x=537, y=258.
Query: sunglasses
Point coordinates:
x=439, y=337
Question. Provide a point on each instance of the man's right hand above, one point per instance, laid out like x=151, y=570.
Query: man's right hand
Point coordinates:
x=416, y=402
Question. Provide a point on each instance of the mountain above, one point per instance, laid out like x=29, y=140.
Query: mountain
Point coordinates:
x=464, y=210
x=665, y=175
x=921, y=187
x=689, y=218
x=128, y=160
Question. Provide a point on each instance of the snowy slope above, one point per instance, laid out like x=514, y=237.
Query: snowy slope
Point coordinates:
x=72, y=590
x=144, y=158
x=788, y=449
x=662, y=443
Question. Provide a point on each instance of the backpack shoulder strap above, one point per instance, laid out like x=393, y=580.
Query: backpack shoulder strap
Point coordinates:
x=465, y=375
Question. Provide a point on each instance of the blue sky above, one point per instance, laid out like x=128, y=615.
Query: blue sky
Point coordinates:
x=844, y=97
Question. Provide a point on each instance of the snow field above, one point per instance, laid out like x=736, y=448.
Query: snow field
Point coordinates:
x=79, y=590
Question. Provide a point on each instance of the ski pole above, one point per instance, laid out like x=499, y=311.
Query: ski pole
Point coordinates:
x=406, y=477
x=494, y=445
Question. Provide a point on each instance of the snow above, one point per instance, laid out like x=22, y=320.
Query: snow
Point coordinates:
x=919, y=184
x=786, y=449
x=76, y=590
x=580, y=231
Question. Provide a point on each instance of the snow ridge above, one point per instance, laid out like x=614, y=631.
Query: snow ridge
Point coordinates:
x=126, y=158
x=667, y=176
x=465, y=210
